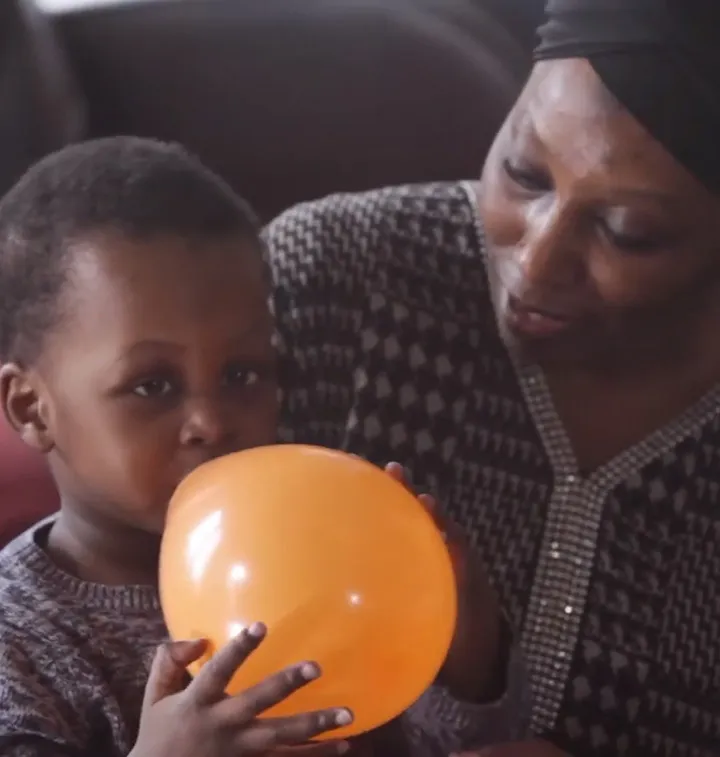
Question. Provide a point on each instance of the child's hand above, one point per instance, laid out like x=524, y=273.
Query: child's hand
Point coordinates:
x=202, y=720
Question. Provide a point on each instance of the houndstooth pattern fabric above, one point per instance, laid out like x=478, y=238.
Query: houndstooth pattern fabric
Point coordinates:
x=612, y=582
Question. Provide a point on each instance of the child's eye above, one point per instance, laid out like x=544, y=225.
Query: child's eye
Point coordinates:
x=153, y=388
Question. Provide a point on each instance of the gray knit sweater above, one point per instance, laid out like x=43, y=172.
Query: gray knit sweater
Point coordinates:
x=74, y=659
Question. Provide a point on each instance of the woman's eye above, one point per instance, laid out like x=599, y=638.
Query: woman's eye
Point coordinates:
x=527, y=177
x=630, y=242
x=153, y=388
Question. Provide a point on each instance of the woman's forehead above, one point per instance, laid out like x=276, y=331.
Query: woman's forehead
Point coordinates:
x=572, y=119
x=565, y=98
x=563, y=107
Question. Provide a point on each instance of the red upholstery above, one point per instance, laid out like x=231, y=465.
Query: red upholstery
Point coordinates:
x=27, y=492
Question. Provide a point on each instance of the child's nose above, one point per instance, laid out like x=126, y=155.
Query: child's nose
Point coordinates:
x=205, y=424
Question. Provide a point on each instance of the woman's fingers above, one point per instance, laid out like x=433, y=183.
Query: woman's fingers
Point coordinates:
x=210, y=683
x=430, y=504
x=397, y=472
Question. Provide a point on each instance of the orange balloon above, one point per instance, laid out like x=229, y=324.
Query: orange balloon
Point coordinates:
x=342, y=563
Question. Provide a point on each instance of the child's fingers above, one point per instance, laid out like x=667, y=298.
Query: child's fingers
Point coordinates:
x=169, y=669
x=210, y=683
x=267, y=735
x=245, y=707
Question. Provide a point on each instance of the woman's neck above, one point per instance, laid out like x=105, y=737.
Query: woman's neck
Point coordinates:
x=99, y=551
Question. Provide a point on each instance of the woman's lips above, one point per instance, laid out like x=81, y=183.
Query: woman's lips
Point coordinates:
x=535, y=322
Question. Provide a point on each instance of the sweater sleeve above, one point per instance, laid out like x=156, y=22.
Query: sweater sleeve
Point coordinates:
x=35, y=719
x=439, y=725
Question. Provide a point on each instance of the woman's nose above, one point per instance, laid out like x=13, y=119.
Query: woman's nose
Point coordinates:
x=550, y=255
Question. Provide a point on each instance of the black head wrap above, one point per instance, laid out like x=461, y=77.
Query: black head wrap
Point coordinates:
x=661, y=61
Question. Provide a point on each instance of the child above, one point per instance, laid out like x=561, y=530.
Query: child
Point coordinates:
x=137, y=344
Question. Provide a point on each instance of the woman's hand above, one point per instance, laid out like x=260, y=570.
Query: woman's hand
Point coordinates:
x=475, y=665
x=201, y=719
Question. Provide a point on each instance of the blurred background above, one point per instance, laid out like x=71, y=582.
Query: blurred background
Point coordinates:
x=289, y=99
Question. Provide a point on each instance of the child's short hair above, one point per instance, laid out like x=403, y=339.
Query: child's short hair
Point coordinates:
x=137, y=187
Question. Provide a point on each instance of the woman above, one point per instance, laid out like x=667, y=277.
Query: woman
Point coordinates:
x=541, y=350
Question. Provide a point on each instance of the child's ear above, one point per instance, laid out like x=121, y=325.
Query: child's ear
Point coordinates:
x=24, y=407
